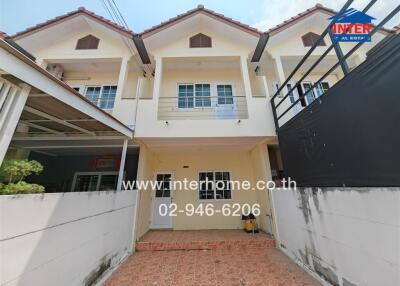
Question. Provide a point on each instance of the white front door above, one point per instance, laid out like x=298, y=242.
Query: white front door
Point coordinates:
x=161, y=201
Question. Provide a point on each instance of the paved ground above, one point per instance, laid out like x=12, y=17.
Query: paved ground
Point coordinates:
x=200, y=235
x=267, y=267
x=218, y=239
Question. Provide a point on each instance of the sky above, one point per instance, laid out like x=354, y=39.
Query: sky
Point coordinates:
x=16, y=15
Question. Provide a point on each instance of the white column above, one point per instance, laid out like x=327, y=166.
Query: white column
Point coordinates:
x=122, y=165
x=265, y=84
x=12, y=114
x=245, y=75
x=157, y=78
x=123, y=76
x=280, y=75
x=139, y=91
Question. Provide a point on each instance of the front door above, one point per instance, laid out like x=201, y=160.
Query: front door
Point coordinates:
x=161, y=201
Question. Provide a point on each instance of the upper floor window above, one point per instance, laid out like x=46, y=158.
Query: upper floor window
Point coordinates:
x=322, y=87
x=311, y=94
x=225, y=94
x=200, y=41
x=102, y=96
x=194, y=95
x=87, y=43
x=202, y=95
x=310, y=39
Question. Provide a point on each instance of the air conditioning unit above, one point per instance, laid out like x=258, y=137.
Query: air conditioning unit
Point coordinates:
x=56, y=70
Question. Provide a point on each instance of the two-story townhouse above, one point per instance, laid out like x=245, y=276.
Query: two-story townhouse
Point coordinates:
x=198, y=102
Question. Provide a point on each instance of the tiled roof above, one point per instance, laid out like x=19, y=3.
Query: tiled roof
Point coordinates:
x=180, y=17
x=80, y=10
x=317, y=8
x=197, y=10
x=287, y=23
x=3, y=35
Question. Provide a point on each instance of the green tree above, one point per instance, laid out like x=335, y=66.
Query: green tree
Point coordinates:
x=14, y=171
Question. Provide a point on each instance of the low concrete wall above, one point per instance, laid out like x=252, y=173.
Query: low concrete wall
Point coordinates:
x=346, y=236
x=63, y=238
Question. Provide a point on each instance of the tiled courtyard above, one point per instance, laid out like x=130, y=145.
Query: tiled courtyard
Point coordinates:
x=203, y=240
x=265, y=266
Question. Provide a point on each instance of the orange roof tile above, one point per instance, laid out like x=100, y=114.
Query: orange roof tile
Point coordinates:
x=80, y=10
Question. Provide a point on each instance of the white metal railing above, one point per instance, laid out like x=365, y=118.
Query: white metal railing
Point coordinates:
x=202, y=107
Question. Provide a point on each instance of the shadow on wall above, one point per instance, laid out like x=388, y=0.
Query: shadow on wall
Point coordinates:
x=64, y=238
x=346, y=236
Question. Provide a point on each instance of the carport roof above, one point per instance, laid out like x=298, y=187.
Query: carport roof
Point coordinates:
x=54, y=108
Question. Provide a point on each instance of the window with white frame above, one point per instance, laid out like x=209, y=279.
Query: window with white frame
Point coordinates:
x=185, y=95
x=202, y=95
x=293, y=97
x=102, y=96
x=163, y=187
x=321, y=88
x=225, y=94
x=214, y=185
x=194, y=95
x=95, y=181
x=308, y=92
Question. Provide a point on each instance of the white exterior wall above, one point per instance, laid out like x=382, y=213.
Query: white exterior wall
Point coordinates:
x=63, y=238
x=260, y=123
x=125, y=103
x=111, y=49
x=260, y=120
x=350, y=236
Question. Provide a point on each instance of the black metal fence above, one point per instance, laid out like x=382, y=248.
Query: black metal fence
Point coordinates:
x=350, y=136
x=341, y=62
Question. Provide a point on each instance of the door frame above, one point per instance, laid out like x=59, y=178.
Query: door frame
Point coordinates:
x=153, y=195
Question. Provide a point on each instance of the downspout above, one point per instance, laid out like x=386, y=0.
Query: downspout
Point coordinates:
x=138, y=193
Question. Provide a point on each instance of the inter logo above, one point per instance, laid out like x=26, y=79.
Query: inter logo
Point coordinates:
x=352, y=26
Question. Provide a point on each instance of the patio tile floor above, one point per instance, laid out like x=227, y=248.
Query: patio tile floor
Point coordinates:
x=267, y=267
x=203, y=239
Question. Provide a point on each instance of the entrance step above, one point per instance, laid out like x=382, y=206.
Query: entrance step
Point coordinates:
x=158, y=240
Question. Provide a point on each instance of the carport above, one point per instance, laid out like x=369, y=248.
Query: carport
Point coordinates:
x=42, y=118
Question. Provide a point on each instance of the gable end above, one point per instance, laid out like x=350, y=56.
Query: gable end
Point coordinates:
x=200, y=41
x=89, y=42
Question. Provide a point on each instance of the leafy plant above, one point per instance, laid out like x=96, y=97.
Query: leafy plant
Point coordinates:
x=21, y=188
x=14, y=171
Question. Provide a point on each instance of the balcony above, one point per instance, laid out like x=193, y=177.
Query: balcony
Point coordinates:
x=204, y=97
x=202, y=107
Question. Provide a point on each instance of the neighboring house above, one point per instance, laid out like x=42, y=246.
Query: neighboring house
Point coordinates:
x=197, y=104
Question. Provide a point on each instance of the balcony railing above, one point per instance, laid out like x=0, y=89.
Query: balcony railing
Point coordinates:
x=202, y=107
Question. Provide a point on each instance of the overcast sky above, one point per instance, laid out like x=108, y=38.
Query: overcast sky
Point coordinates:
x=16, y=15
